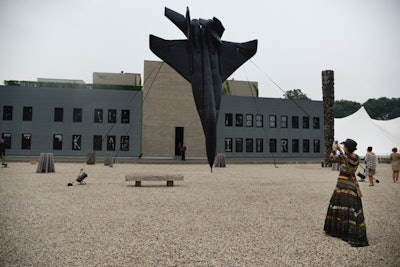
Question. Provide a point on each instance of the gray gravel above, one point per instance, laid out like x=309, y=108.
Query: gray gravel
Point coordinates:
x=241, y=215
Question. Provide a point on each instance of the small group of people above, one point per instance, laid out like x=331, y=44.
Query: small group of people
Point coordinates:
x=370, y=165
x=370, y=161
x=345, y=216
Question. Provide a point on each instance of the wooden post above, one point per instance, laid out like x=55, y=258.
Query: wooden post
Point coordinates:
x=328, y=99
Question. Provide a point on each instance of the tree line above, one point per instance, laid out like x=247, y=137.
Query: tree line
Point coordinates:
x=379, y=109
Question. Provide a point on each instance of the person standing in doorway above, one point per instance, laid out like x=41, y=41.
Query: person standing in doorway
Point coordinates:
x=183, y=151
x=370, y=165
x=395, y=159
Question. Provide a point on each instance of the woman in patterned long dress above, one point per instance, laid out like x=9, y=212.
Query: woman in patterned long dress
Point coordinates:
x=345, y=216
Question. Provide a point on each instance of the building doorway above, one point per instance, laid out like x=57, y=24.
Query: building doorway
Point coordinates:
x=178, y=140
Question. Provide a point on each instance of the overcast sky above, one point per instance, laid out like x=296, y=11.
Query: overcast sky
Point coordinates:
x=70, y=39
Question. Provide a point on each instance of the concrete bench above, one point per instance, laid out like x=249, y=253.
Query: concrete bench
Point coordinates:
x=139, y=177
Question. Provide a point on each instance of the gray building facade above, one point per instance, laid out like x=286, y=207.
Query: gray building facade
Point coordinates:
x=70, y=121
x=154, y=120
x=252, y=127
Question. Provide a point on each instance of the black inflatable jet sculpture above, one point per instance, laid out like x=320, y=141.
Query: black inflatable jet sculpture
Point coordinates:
x=206, y=62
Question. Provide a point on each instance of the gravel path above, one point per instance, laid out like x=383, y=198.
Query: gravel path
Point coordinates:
x=241, y=215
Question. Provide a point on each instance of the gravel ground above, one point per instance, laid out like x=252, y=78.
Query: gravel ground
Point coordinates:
x=241, y=215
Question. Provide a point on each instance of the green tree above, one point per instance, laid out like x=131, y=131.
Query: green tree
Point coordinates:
x=378, y=109
x=344, y=108
x=383, y=108
x=295, y=94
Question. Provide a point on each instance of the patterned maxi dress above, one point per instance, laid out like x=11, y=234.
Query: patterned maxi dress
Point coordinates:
x=345, y=216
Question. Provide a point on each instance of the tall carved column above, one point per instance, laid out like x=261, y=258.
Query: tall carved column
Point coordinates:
x=328, y=99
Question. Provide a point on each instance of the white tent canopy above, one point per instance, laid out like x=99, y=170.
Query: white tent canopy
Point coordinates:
x=381, y=135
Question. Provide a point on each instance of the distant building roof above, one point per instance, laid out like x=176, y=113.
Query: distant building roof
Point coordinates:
x=51, y=80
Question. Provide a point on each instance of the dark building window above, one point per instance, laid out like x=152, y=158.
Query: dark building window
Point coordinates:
x=112, y=116
x=306, y=122
x=77, y=115
x=306, y=145
x=284, y=121
x=249, y=120
x=111, y=142
x=239, y=144
x=317, y=146
x=228, y=144
x=295, y=122
x=57, y=141
x=58, y=114
x=76, y=142
x=7, y=113
x=295, y=145
x=316, y=122
x=259, y=120
x=272, y=145
x=125, y=114
x=124, y=143
x=239, y=120
x=284, y=145
x=228, y=119
x=98, y=115
x=7, y=139
x=272, y=121
x=259, y=145
x=97, y=142
x=27, y=114
x=249, y=145
x=26, y=141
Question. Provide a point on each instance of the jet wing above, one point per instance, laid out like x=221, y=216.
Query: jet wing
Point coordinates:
x=174, y=52
x=233, y=55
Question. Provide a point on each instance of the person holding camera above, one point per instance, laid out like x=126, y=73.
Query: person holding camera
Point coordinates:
x=345, y=215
